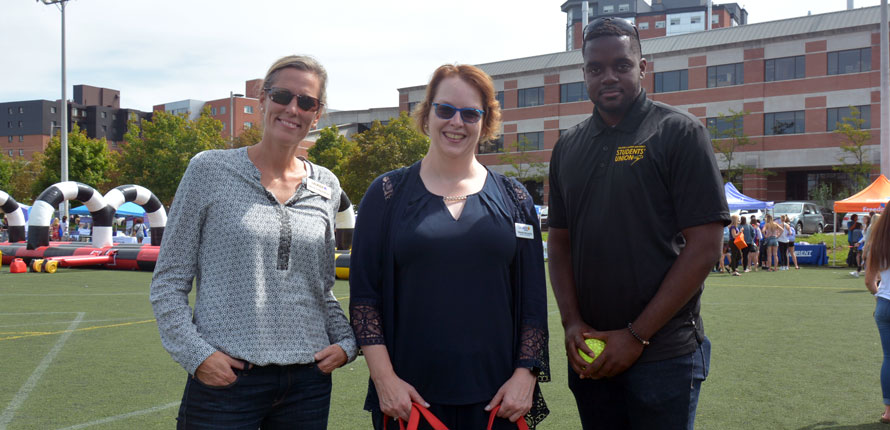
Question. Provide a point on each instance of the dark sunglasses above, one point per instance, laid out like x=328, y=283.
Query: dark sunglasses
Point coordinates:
x=468, y=115
x=283, y=97
x=618, y=22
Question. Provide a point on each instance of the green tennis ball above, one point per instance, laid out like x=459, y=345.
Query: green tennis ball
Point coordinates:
x=596, y=346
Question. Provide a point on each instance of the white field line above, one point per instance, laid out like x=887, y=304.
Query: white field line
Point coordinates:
x=2, y=326
x=122, y=417
x=29, y=385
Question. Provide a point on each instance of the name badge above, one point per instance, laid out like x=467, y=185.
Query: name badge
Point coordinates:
x=524, y=231
x=318, y=188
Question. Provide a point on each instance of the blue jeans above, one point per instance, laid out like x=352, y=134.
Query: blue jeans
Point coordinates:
x=267, y=397
x=654, y=395
x=882, y=318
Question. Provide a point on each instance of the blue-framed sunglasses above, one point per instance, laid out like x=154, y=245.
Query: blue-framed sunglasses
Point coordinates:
x=468, y=115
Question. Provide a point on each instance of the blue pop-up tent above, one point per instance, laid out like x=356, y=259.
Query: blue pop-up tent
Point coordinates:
x=738, y=201
x=126, y=209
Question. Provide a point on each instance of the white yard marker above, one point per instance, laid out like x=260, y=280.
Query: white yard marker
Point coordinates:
x=122, y=417
x=29, y=385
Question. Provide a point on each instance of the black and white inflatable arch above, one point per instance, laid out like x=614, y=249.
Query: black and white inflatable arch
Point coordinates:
x=154, y=210
x=14, y=216
x=52, y=197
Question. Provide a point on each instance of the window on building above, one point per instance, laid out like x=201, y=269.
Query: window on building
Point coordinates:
x=492, y=146
x=837, y=115
x=500, y=98
x=725, y=75
x=783, y=123
x=224, y=126
x=247, y=125
x=572, y=92
x=52, y=109
x=781, y=69
x=114, y=116
x=21, y=109
x=722, y=127
x=53, y=124
x=104, y=114
x=532, y=141
x=675, y=20
x=8, y=124
x=10, y=153
x=21, y=138
x=10, y=139
x=411, y=106
x=624, y=7
x=248, y=109
x=695, y=19
x=643, y=26
x=677, y=80
x=222, y=110
x=608, y=9
x=105, y=129
x=213, y=111
x=21, y=152
x=11, y=111
x=849, y=61
x=659, y=24
x=531, y=96
x=715, y=19
x=21, y=124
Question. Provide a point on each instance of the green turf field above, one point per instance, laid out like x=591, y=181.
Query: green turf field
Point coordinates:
x=792, y=350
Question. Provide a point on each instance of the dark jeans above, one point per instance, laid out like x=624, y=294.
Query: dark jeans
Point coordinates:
x=462, y=417
x=783, y=253
x=268, y=397
x=882, y=318
x=654, y=395
x=737, y=255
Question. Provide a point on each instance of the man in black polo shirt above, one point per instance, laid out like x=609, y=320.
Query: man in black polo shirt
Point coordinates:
x=637, y=210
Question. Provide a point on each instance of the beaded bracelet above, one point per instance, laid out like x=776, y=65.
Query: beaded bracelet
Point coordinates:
x=643, y=341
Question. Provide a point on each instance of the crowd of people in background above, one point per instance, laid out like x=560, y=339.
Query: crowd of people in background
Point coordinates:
x=758, y=245
x=857, y=238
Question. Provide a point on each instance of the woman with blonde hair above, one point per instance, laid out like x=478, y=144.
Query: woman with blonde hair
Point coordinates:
x=447, y=290
x=877, y=280
x=266, y=331
x=771, y=233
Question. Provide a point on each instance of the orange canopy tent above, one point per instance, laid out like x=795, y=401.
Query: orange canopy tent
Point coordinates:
x=872, y=198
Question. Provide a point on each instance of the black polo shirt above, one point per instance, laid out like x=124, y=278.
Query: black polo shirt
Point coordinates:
x=625, y=193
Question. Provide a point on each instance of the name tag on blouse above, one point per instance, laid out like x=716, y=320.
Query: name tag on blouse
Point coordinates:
x=318, y=188
x=524, y=231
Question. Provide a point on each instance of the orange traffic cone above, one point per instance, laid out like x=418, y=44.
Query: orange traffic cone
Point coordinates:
x=18, y=266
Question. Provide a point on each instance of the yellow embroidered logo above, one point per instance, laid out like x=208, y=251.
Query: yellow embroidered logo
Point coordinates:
x=630, y=153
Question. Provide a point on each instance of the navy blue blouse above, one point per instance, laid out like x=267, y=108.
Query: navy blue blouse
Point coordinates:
x=452, y=296
x=459, y=304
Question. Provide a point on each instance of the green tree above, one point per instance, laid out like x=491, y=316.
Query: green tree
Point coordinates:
x=248, y=137
x=89, y=161
x=5, y=173
x=332, y=150
x=525, y=166
x=727, y=142
x=23, y=174
x=379, y=150
x=157, y=154
x=854, y=152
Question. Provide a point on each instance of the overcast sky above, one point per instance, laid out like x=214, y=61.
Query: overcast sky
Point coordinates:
x=158, y=51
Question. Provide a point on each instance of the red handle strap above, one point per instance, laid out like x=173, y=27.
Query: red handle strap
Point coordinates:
x=414, y=419
x=520, y=423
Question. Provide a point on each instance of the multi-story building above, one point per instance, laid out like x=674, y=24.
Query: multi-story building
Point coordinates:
x=795, y=78
x=30, y=124
x=660, y=18
x=240, y=109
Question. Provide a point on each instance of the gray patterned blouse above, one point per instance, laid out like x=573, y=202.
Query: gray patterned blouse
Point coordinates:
x=263, y=271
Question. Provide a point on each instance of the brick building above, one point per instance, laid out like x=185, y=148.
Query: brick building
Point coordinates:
x=245, y=107
x=795, y=77
x=27, y=126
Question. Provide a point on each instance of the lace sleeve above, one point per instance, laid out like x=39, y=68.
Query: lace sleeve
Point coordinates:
x=533, y=351
x=366, y=323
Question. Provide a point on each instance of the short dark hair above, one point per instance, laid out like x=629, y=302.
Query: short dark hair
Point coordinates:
x=616, y=27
